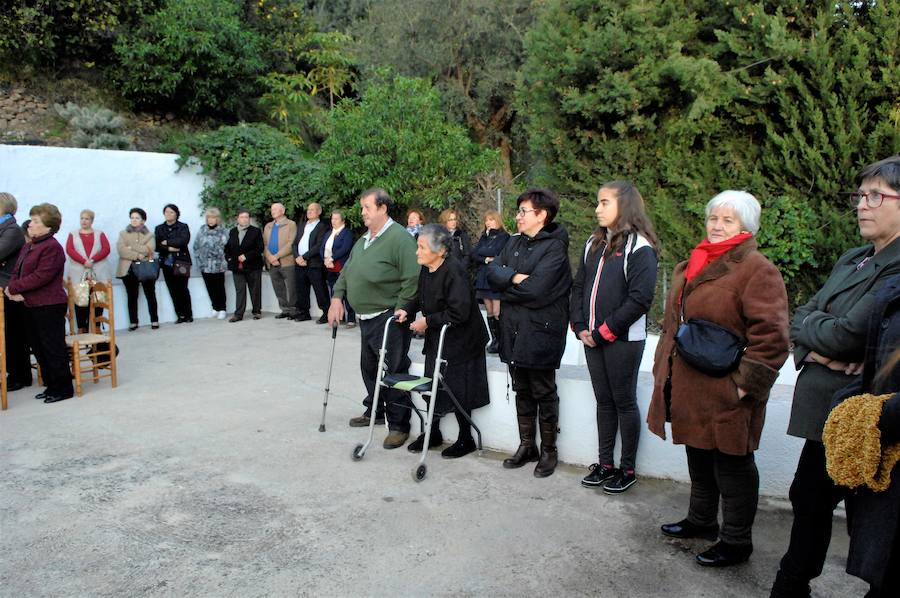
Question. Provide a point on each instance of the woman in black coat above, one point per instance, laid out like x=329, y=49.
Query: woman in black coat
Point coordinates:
x=243, y=252
x=460, y=245
x=446, y=297
x=12, y=239
x=173, y=238
x=489, y=246
x=873, y=517
x=532, y=274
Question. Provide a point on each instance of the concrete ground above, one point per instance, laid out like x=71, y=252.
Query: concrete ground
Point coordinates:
x=203, y=474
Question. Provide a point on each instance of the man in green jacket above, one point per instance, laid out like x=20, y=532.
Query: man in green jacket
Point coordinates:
x=380, y=276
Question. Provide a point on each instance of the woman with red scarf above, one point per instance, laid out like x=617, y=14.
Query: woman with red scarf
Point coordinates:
x=719, y=419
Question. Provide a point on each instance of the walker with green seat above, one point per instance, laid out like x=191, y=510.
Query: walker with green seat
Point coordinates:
x=421, y=385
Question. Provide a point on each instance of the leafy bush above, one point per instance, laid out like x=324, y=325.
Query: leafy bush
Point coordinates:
x=95, y=127
x=252, y=166
x=398, y=138
x=44, y=32
x=194, y=57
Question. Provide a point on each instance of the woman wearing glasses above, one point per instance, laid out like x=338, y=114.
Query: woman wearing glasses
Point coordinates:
x=829, y=334
x=460, y=245
x=533, y=277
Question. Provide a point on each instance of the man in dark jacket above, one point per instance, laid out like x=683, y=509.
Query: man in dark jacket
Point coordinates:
x=533, y=276
x=308, y=266
x=243, y=252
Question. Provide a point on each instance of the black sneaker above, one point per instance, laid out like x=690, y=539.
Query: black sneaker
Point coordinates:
x=622, y=482
x=599, y=474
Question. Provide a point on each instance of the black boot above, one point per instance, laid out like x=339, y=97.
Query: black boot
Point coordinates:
x=547, y=463
x=494, y=327
x=527, y=452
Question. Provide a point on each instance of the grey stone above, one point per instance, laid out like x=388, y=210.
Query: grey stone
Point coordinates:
x=204, y=474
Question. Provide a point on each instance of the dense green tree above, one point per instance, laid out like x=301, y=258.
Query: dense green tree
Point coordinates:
x=784, y=99
x=470, y=49
x=194, y=57
x=397, y=137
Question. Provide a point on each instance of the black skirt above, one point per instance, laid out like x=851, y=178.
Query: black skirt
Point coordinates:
x=467, y=381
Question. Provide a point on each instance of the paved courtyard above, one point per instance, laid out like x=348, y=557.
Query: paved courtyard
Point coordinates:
x=203, y=474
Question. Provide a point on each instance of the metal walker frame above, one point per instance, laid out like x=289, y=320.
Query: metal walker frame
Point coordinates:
x=410, y=383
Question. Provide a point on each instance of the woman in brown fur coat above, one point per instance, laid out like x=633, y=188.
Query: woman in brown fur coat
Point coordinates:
x=726, y=281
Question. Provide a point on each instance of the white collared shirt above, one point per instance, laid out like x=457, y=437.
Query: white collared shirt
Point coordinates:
x=368, y=236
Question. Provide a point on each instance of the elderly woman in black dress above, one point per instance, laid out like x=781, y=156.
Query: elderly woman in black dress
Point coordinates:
x=446, y=297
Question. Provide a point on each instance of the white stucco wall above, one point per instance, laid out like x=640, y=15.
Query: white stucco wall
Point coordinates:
x=112, y=182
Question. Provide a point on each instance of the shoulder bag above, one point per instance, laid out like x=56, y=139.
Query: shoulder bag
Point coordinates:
x=708, y=347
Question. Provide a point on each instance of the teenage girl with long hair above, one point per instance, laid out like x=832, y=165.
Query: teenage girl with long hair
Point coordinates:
x=611, y=295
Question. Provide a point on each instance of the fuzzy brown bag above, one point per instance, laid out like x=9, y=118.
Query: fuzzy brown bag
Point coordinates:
x=854, y=455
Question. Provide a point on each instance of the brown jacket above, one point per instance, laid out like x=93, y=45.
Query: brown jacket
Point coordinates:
x=286, y=234
x=743, y=292
x=133, y=246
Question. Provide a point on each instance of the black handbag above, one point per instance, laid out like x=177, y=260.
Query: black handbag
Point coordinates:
x=145, y=271
x=707, y=347
x=181, y=268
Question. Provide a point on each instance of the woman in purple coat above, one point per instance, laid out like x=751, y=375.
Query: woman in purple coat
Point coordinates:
x=37, y=280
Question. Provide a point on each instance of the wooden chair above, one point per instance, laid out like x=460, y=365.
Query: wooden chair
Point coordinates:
x=95, y=350
x=3, y=403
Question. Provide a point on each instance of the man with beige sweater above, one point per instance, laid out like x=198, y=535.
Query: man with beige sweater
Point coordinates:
x=278, y=236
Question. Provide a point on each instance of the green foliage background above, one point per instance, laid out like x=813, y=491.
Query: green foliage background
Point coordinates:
x=785, y=99
x=446, y=102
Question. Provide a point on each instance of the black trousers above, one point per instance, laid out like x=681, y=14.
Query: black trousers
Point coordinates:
x=47, y=337
x=18, y=355
x=132, y=290
x=304, y=278
x=330, y=279
x=614, y=373
x=465, y=428
x=535, y=393
x=391, y=402
x=814, y=497
x=734, y=478
x=215, y=288
x=178, y=290
x=242, y=280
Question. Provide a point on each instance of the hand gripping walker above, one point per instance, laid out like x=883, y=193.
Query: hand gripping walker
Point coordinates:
x=426, y=387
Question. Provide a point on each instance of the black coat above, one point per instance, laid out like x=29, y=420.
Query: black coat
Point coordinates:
x=873, y=516
x=319, y=234
x=460, y=246
x=620, y=299
x=251, y=247
x=176, y=235
x=535, y=313
x=490, y=244
x=446, y=297
x=11, y=241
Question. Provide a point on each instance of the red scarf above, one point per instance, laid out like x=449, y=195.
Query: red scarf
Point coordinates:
x=705, y=253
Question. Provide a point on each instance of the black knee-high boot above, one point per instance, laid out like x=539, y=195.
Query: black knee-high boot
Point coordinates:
x=494, y=327
x=549, y=421
x=527, y=451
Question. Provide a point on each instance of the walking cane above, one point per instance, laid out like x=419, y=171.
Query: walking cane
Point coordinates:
x=328, y=381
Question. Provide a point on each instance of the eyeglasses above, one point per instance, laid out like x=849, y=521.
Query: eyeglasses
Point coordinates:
x=873, y=199
x=523, y=211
